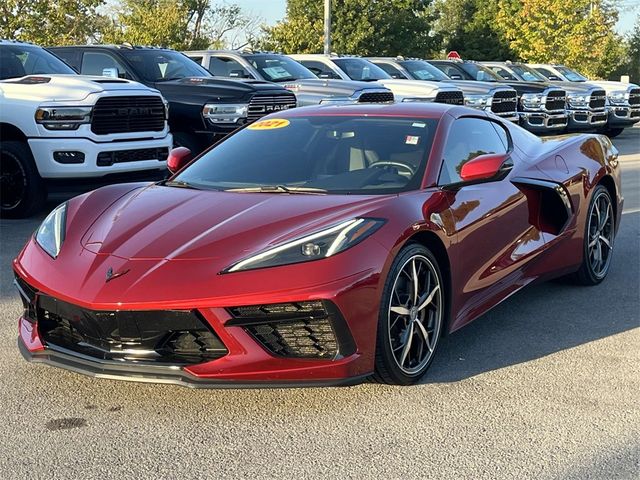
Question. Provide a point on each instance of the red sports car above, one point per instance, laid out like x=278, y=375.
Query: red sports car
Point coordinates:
x=319, y=246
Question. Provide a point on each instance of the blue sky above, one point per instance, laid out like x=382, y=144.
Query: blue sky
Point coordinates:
x=273, y=10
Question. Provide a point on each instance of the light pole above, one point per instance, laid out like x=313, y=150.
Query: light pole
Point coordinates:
x=327, y=27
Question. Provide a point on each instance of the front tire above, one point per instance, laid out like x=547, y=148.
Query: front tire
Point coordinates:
x=22, y=190
x=598, y=239
x=411, y=317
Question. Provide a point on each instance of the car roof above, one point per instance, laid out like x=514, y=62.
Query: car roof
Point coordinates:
x=405, y=109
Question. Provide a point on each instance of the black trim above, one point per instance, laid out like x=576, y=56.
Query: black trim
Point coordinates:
x=159, y=374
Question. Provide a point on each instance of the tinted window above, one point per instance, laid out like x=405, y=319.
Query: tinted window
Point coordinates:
x=227, y=67
x=424, y=71
x=337, y=154
x=571, y=75
x=20, y=60
x=96, y=63
x=155, y=65
x=547, y=73
x=453, y=71
x=391, y=70
x=278, y=68
x=528, y=74
x=480, y=72
x=319, y=69
x=504, y=73
x=468, y=139
x=360, y=69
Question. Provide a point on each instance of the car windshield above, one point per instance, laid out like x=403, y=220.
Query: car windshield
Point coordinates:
x=156, y=65
x=318, y=154
x=571, y=75
x=481, y=73
x=361, y=70
x=19, y=60
x=421, y=70
x=528, y=74
x=278, y=68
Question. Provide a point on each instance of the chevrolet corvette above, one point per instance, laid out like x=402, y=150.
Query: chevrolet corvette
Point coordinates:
x=319, y=246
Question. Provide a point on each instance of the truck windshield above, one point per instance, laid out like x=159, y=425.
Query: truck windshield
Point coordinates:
x=421, y=70
x=528, y=74
x=571, y=75
x=19, y=60
x=278, y=68
x=162, y=65
x=361, y=70
x=318, y=154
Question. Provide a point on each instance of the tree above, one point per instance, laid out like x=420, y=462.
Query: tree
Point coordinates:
x=579, y=33
x=633, y=63
x=363, y=27
x=44, y=22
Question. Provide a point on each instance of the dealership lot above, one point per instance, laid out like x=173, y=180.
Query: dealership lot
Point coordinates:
x=543, y=386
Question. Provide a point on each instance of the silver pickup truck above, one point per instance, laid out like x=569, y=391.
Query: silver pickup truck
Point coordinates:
x=272, y=67
x=501, y=100
x=359, y=69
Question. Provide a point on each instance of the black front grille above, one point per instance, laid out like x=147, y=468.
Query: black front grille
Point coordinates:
x=634, y=96
x=127, y=114
x=556, y=100
x=635, y=114
x=451, y=98
x=106, y=159
x=556, y=121
x=504, y=102
x=173, y=337
x=376, y=97
x=598, y=99
x=311, y=329
x=261, y=105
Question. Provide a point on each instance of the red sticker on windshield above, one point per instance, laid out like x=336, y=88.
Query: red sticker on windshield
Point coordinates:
x=412, y=140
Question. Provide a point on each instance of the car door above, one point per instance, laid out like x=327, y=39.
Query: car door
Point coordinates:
x=494, y=238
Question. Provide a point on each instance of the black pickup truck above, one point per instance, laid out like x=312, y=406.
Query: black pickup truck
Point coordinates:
x=202, y=108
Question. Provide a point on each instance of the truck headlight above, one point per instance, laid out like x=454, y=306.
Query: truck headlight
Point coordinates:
x=225, y=113
x=477, y=101
x=316, y=246
x=619, y=97
x=63, y=118
x=50, y=234
x=577, y=99
x=166, y=109
x=531, y=100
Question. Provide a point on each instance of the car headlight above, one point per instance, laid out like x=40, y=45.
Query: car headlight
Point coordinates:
x=225, y=113
x=63, y=118
x=50, y=234
x=477, y=101
x=531, y=100
x=578, y=99
x=316, y=246
x=618, y=97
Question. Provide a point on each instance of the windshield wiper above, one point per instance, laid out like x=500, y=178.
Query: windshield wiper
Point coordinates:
x=278, y=189
x=180, y=184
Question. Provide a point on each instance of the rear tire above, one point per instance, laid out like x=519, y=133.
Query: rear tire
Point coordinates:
x=22, y=190
x=411, y=319
x=598, y=240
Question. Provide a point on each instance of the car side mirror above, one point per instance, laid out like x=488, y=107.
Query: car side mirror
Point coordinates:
x=110, y=72
x=485, y=167
x=455, y=76
x=178, y=158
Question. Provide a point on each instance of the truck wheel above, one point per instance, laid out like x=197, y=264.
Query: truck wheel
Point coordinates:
x=22, y=191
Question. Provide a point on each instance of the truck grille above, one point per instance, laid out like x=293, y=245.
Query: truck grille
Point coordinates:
x=451, y=98
x=106, y=159
x=127, y=114
x=504, y=102
x=598, y=99
x=261, y=105
x=556, y=100
x=376, y=97
x=634, y=96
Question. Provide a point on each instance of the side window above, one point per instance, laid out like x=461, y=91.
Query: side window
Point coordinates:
x=70, y=56
x=547, y=73
x=468, y=139
x=391, y=70
x=227, y=67
x=503, y=73
x=197, y=59
x=99, y=63
x=451, y=71
x=319, y=69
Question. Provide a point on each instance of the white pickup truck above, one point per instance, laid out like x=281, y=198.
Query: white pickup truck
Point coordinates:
x=63, y=130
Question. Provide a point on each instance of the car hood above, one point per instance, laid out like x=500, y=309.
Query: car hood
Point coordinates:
x=419, y=88
x=196, y=89
x=65, y=88
x=330, y=86
x=610, y=86
x=168, y=223
x=477, y=88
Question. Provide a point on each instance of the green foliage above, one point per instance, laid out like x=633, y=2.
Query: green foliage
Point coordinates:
x=46, y=22
x=363, y=27
x=633, y=54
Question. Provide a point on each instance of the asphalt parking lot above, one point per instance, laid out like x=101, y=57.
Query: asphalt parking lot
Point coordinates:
x=544, y=386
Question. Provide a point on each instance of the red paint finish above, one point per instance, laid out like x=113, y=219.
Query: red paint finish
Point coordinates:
x=178, y=159
x=175, y=242
x=484, y=167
